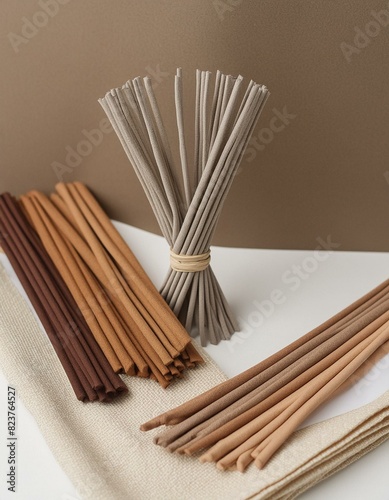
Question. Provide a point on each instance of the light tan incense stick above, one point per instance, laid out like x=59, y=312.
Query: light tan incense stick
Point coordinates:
x=77, y=270
x=289, y=379
x=131, y=269
x=295, y=401
x=293, y=409
x=255, y=418
x=55, y=246
x=287, y=414
x=259, y=400
x=92, y=240
x=176, y=415
x=300, y=358
x=320, y=396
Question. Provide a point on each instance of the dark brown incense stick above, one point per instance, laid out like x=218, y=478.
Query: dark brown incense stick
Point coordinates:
x=88, y=371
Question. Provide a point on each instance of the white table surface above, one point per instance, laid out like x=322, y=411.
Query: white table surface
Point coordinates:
x=278, y=295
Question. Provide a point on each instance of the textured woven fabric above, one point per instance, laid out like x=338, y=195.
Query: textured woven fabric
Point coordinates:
x=317, y=451
x=105, y=455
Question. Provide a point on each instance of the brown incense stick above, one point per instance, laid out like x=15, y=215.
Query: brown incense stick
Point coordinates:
x=174, y=416
x=87, y=368
x=267, y=403
x=108, y=281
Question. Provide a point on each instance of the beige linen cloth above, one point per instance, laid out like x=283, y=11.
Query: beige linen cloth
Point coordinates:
x=100, y=447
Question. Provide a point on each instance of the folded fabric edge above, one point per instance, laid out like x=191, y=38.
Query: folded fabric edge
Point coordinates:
x=375, y=421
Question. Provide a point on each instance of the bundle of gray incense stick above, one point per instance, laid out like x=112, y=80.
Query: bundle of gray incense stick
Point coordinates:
x=188, y=216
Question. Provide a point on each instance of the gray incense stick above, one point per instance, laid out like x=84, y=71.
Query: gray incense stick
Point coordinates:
x=188, y=216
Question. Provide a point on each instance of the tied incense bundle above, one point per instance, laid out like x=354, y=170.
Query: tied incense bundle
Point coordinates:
x=133, y=325
x=188, y=219
x=248, y=418
x=88, y=371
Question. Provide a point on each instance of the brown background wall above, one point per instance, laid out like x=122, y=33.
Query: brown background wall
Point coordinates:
x=323, y=174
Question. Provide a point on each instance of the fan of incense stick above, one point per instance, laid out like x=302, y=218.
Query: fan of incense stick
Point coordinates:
x=90, y=374
x=130, y=321
x=99, y=308
x=223, y=127
x=249, y=417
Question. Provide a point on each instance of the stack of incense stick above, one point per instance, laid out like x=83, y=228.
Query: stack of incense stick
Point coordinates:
x=248, y=418
x=135, y=328
x=88, y=370
x=223, y=127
